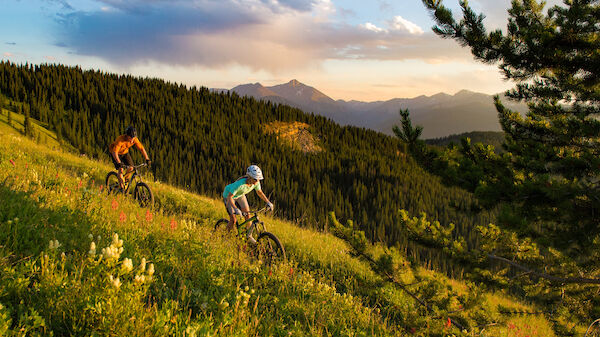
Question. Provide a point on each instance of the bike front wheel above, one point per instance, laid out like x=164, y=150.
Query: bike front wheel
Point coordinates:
x=112, y=183
x=143, y=195
x=269, y=248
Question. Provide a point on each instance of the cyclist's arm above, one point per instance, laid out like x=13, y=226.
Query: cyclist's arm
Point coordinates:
x=116, y=156
x=140, y=147
x=230, y=199
x=263, y=196
x=145, y=154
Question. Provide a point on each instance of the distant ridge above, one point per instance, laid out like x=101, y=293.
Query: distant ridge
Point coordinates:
x=441, y=114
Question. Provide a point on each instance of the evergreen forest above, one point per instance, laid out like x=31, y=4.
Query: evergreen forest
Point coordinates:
x=202, y=141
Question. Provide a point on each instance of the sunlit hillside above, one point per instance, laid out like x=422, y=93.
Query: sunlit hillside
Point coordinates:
x=62, y=272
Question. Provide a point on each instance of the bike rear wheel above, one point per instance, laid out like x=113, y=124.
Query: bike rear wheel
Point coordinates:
x=143, y=195
x=269, y=248
x=112, y=183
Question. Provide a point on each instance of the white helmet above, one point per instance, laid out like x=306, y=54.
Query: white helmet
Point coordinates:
x=254, y=172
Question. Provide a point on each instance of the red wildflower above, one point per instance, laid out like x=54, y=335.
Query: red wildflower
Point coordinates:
x=291, y=271
x=270, y=273
x=56, y=174
x=122, y=216
x=114, y=204
x=12, y=162
x=80, y=183
x=448, y=323
x=148, y=215
x=26, y=165
x=173, y=224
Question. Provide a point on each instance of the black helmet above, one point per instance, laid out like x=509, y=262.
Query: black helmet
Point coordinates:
x=131, y=132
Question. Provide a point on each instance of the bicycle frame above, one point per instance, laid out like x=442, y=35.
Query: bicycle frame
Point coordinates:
x=133, y=176
x=253, y=221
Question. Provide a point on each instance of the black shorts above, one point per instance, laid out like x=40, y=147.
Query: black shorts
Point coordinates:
x=124, y=158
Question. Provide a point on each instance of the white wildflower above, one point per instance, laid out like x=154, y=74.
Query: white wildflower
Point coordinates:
x=151, y=269
x=93, y=249
x=139, y=279
x=63, y=256
x=127, y=265
x=143, y=265
x=54, y=244
x=90, y=236
x=116, y=282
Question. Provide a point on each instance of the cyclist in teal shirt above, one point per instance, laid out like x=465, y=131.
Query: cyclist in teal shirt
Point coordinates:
x=235, y=193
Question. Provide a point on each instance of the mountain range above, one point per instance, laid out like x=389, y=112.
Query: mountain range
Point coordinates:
x=440, y=114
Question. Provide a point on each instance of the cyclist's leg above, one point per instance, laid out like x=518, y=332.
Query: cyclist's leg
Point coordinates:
x=126, y=159
x=118, y=169
x=242, y=203
x=232, y=218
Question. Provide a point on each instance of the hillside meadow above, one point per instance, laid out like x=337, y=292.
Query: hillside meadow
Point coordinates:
x=77, y=261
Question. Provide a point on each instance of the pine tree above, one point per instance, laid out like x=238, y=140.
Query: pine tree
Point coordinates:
x=9, y=116
x=546, y=183
x=27, y=124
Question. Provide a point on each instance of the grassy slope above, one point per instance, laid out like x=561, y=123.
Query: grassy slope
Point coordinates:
x=203, y=284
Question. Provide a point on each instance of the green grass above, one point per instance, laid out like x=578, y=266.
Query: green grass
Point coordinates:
x=202, y=284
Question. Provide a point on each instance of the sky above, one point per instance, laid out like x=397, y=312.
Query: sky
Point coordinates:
x=348, y=49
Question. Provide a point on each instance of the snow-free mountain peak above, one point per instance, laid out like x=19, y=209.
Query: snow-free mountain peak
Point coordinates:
x=440, y=114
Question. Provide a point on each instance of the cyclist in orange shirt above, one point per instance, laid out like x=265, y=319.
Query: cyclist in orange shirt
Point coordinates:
x=119, y=152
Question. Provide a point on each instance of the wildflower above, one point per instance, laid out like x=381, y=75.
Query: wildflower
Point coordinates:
x=151, y=269
x=143, y=265
x=127, y=265
x=85, y=175
x=90, y=236
x=148, y=216
x=63, y=256
x=98, y=238
x=13, y=163
x=54, y=244
x=139, y=279
x=116, y=241
x=92, y=250
x=116, y=282
x=173, y=224
x=448, y=323
x=114, y=204
x=122, y=217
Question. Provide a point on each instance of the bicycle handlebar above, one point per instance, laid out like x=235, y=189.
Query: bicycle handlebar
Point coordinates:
x=262, y=210
x=135, y=166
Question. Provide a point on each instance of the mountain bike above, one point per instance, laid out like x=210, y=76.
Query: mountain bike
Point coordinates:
x=267, y=246
x=141, y=191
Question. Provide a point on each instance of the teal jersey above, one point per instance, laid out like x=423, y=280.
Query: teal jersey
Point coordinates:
x=239, y=188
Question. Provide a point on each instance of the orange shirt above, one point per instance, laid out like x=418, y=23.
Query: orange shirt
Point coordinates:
x=121, y=145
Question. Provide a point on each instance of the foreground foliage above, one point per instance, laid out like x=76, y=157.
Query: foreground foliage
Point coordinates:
x=74, y=260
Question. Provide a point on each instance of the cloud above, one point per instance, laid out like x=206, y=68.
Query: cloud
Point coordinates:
x=11, y=43
x=272, y=35
x=401, y=24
